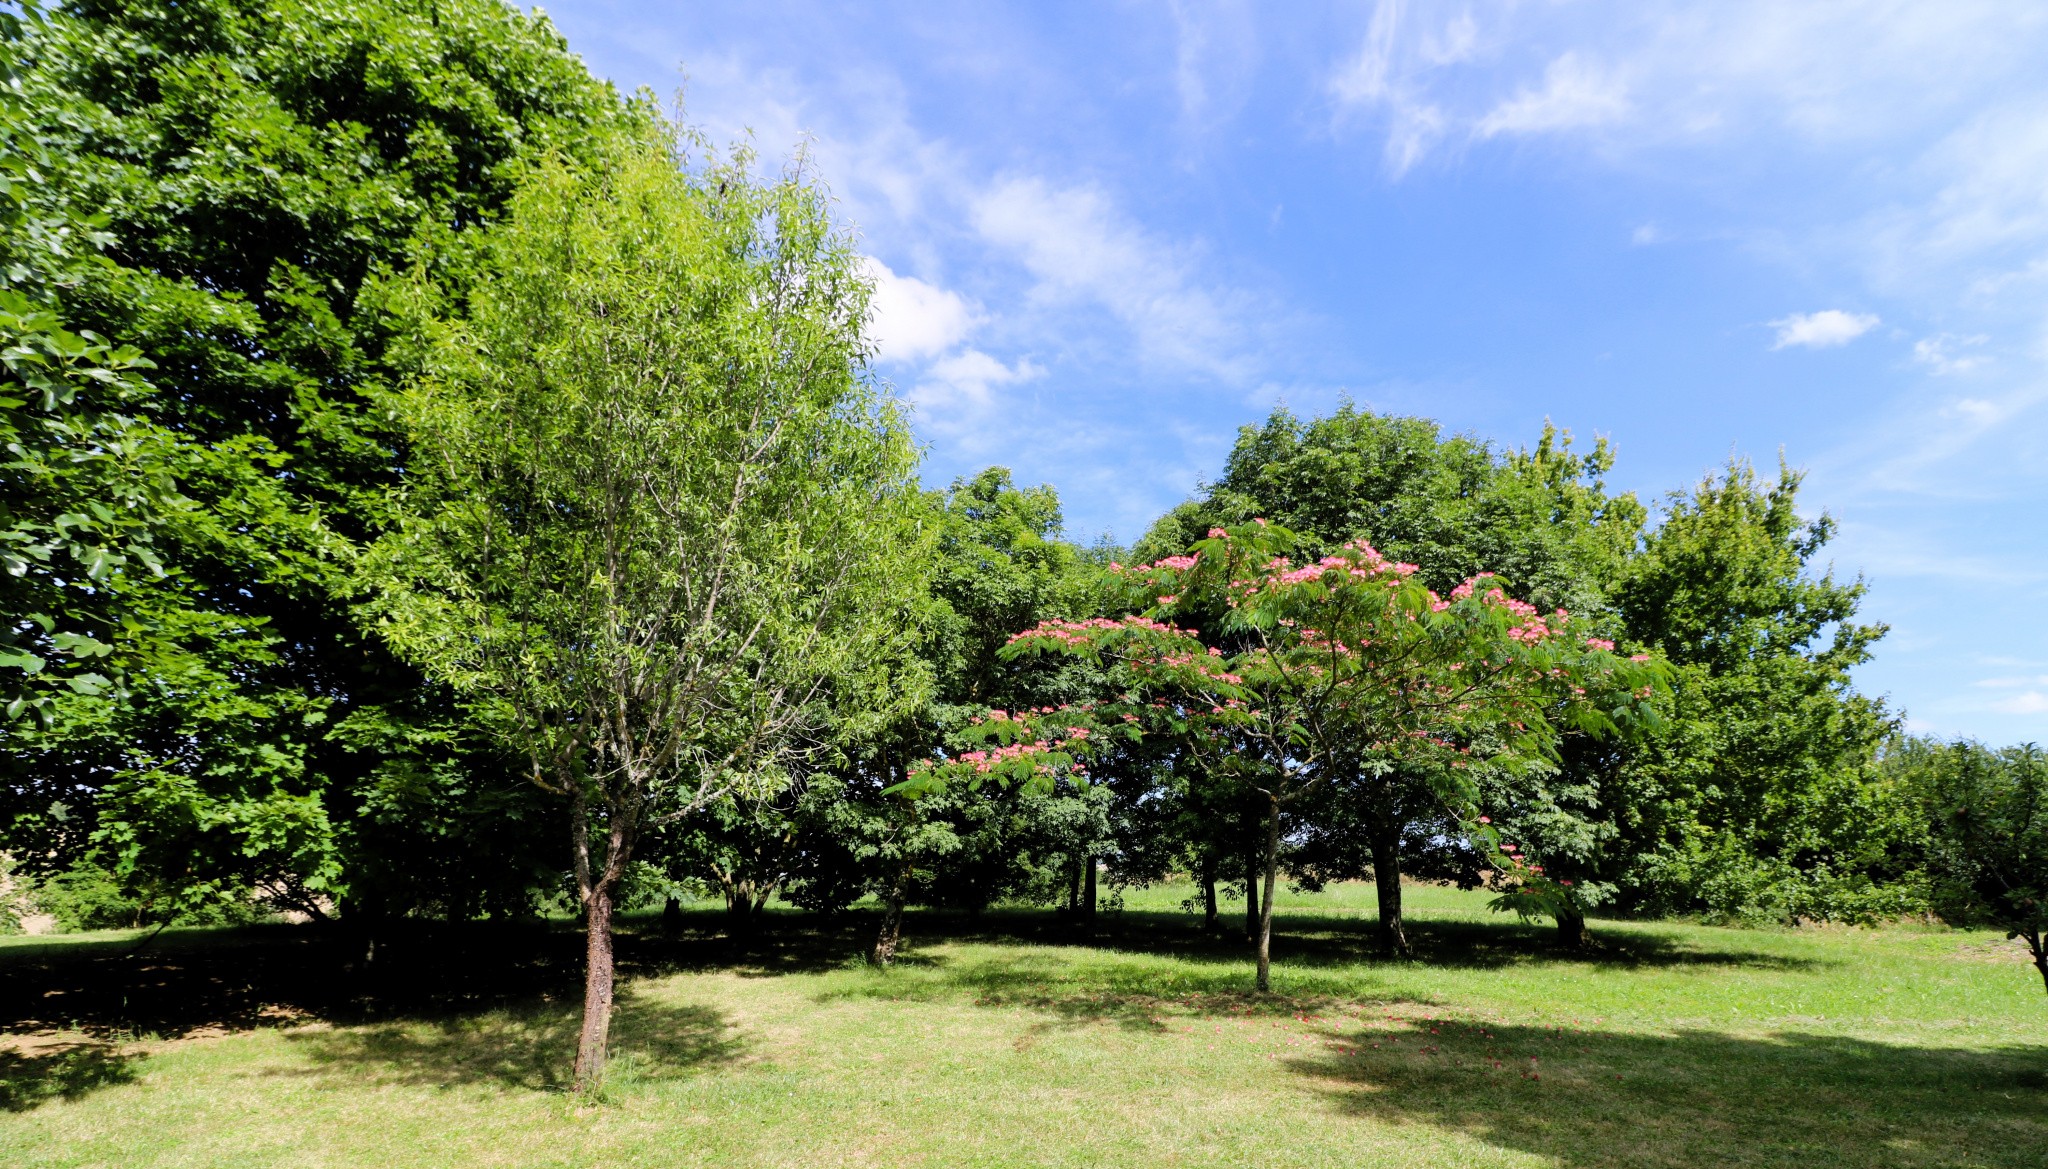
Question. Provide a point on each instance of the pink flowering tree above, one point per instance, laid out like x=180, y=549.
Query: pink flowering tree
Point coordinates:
x=1319, y=673
x=1036, y=748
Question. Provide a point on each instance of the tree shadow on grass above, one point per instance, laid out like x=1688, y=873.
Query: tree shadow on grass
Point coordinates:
x=1131, y=994
x=32, y=1073
x=1601, y=1098
x=530, y=1048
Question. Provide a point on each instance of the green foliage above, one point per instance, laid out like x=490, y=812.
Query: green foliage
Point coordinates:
x=231, y=183
x=1987, y=834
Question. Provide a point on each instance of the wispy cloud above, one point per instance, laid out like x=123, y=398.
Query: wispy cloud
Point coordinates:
x=1078, y=246
x=1574, y=95
x=2032, y=702
x=1940, y=354
x=1822, y=330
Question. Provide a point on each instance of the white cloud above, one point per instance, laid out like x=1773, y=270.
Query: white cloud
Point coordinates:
x=1648, y=233
x=960, y=390
x=910, y=320
x=2032, y=702
x=1822, y=330
x=1938, y=353
x=1574, y=95
x=1079, y=247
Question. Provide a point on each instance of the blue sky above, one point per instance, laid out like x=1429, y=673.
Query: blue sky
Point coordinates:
x=1107, y=235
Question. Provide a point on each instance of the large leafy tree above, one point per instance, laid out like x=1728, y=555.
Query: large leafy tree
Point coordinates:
x=660, y=525
x=254, y=170
x=1453, y=506
x=1319, y=675
x=1759, y=798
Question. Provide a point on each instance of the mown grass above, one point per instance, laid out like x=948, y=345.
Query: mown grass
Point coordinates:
x=1023, y=1040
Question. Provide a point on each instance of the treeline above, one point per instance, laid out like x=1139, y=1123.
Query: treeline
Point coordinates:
x=411, y=443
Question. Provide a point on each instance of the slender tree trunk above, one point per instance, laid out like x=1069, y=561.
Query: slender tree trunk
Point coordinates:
x=1208, y=895
x=592, y=1045
x=1073, y=886
x=892, y=922
x=1386, y=880
x=671, y=917
x=1571, y=930
x=1251, y=896
x=1272, y=868
x=1088, y=892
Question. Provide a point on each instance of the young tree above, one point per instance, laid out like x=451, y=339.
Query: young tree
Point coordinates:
x=658, y=519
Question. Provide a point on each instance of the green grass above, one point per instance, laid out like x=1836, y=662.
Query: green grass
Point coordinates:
x=1019, y=1040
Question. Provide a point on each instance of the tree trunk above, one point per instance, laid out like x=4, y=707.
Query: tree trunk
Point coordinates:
x=1073, y=886
x=591, y=1046
x=1272, y=867
x=1251, y=896
x=892, y=923
x=1208, y=895
x=1088, y=893
x=2037, y=943
x=1386, y=880
x=1571, y=930
x=671, y=917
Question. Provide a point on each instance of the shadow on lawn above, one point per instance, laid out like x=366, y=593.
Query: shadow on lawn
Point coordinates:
x=530, y=1048
x=494, y=994
x=33, y=1074
x=1596, y=1098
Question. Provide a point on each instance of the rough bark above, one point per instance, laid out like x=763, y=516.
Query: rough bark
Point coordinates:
x=1386, y=880
x=591, y=1045
x=1272, y=872
x=891, y=933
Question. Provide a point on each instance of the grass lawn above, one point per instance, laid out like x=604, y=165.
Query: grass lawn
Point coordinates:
x=1022, y=1040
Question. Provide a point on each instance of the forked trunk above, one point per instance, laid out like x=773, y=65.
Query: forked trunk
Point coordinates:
x=671, y=917
x=597, y=990
x=1272, y=871
x=1386, y=880
x=2037, y=944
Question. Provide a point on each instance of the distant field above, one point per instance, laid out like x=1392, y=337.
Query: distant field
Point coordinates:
x=1022, y=1040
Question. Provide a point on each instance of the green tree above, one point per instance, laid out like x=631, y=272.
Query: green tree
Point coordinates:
x=1987, y=820
x=251, y=172
x=1454, y=506
x=658, y=521
x=1758, y=799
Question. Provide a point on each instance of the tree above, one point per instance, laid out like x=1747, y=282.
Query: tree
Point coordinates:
x=1760, y=796
x=1334, y=672
x=253, y=172
x=1987, y=817
x=659, y=519
x=1454, y=507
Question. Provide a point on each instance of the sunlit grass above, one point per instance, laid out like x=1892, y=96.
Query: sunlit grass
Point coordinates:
x=1020, y=1040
